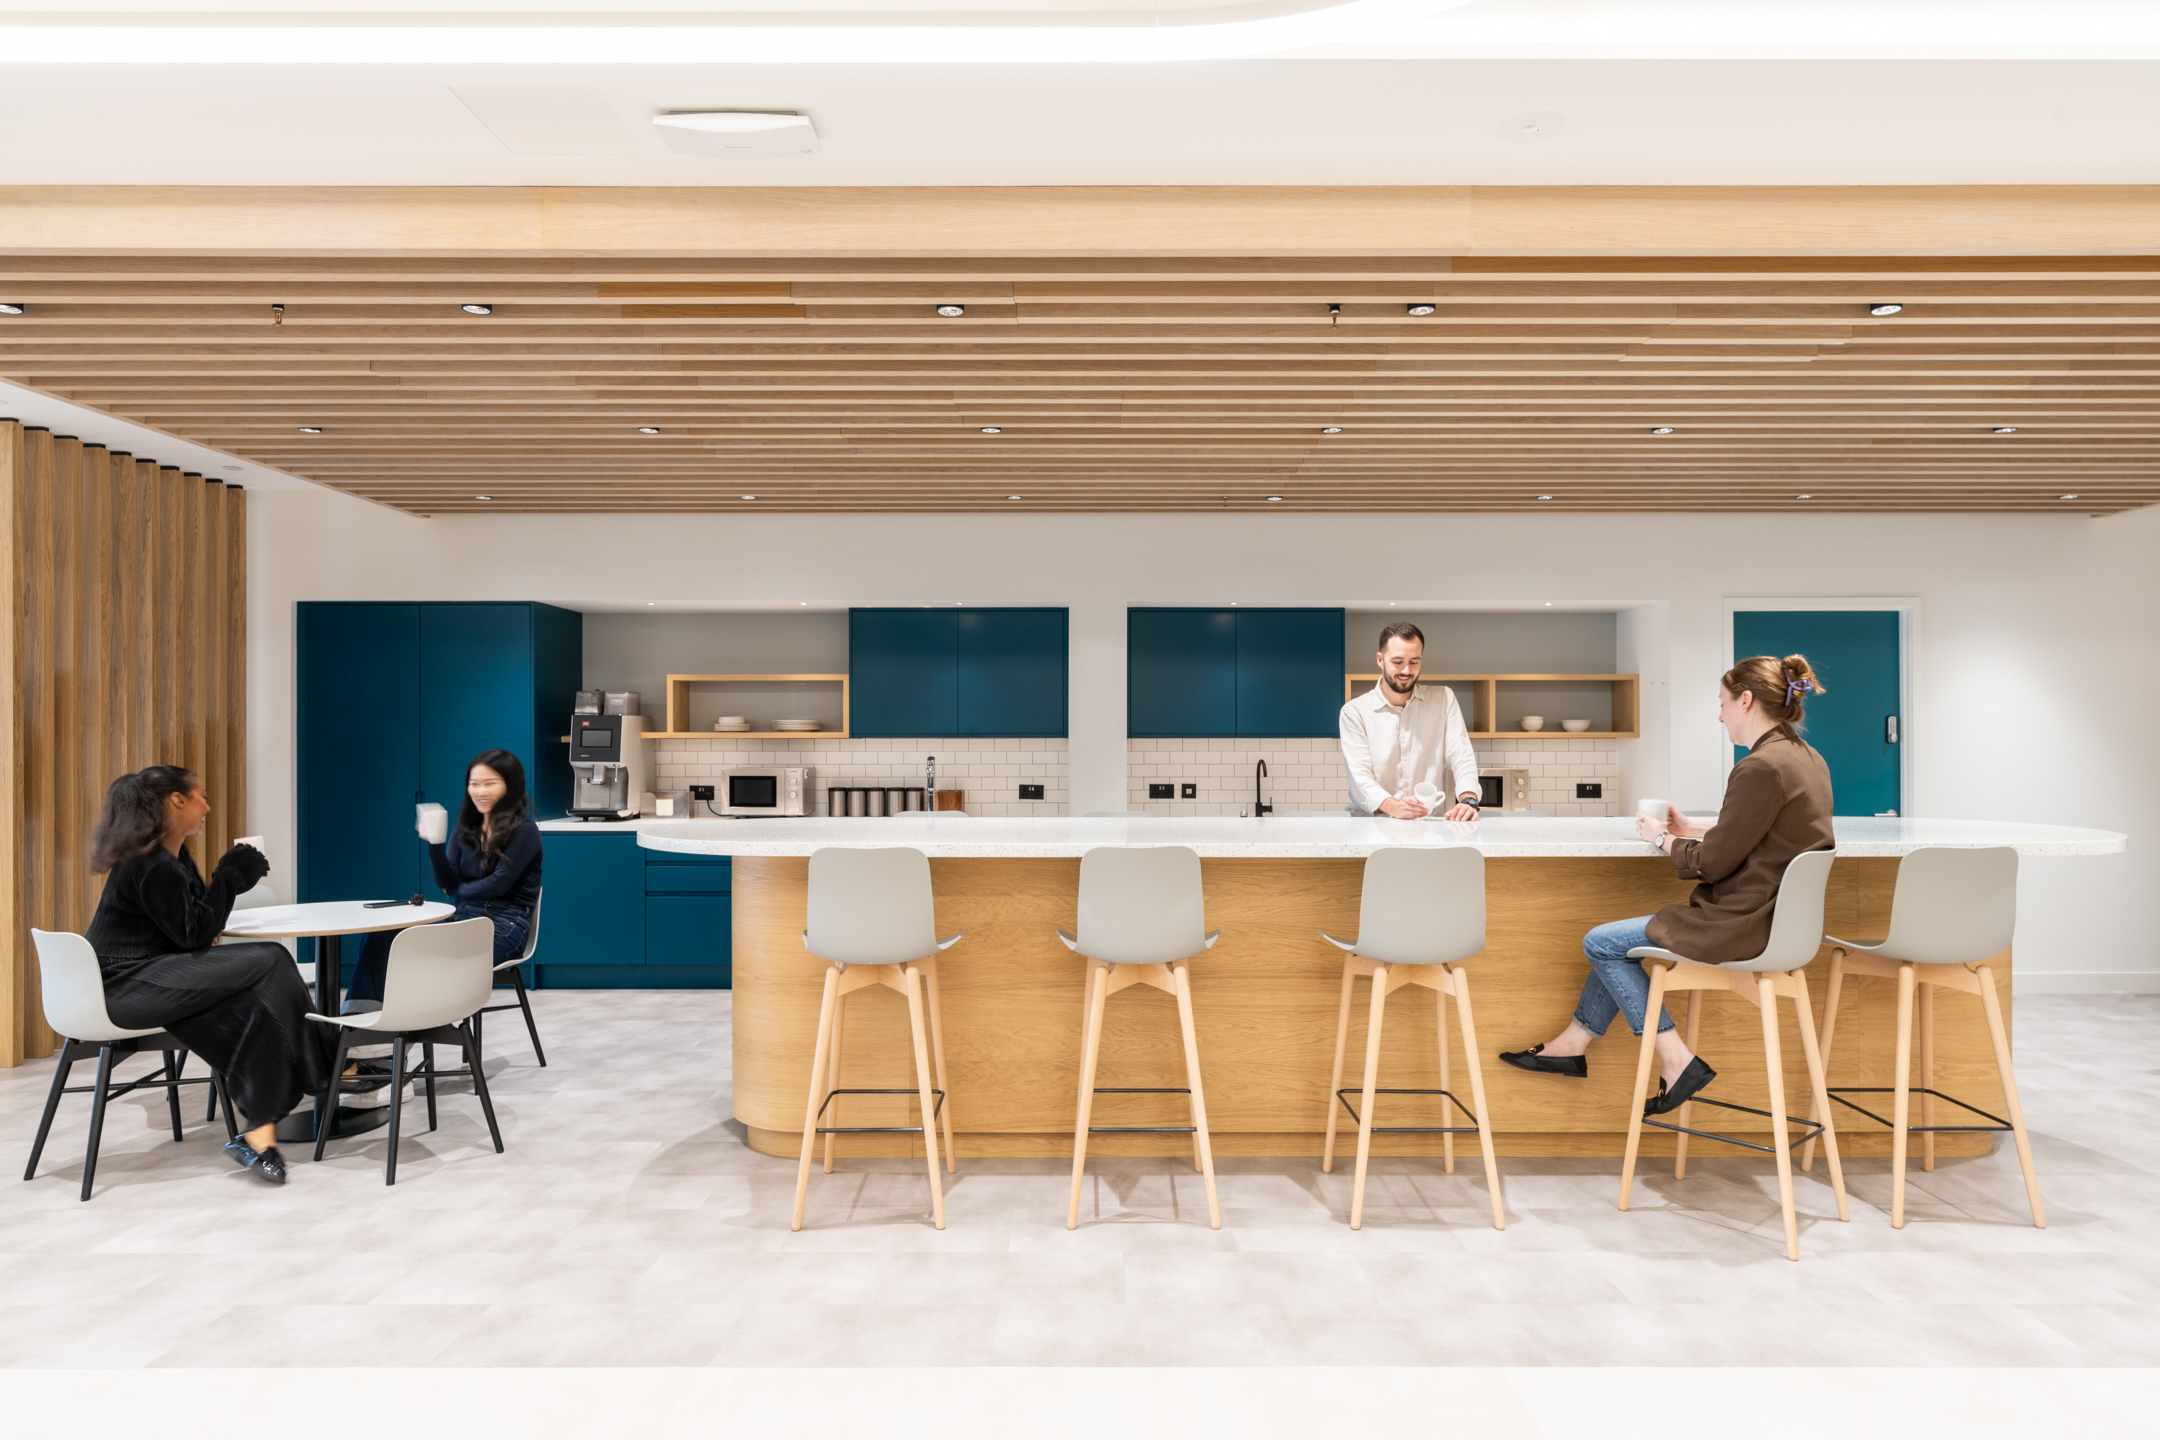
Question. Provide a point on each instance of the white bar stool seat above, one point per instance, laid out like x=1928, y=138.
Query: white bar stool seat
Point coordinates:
x=873, y=920
x=1421, y=912
x=1951, y=919
x=1141, y=917
x=1796, y=934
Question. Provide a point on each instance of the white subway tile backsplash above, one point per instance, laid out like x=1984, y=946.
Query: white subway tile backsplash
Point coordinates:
x=1308, y=774
x=987, y=772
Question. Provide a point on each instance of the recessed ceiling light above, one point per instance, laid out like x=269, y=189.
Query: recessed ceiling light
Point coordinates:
x=2005, y=430
x=477, y=309
x=1661, y=430
x=952, y=312
x=311, y=429
x=1331, y=429
x=2066, y=497
x=993, y=429
x=9, y=307
x=749, y=497
x=1016, y=497
x=1887, y=307
x=1544, y=497
x=1548, y=604
x=651, y=603
x=483, y=497
x=1803, y=497
x=1421, y=308
x=648, y=429
x=1273, y=498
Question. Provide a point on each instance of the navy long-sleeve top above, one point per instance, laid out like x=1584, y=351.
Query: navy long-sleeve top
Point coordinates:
x=466, y=873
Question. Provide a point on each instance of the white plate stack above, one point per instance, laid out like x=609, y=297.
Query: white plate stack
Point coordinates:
x=797, y=727
x=731, y=724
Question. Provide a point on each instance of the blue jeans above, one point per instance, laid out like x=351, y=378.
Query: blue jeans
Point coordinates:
x=511, y=926
x=1617, y=985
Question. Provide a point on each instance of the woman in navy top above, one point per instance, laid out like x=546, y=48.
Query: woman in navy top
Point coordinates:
x=490, y=865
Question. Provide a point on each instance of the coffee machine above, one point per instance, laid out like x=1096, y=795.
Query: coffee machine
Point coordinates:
x=611, y=766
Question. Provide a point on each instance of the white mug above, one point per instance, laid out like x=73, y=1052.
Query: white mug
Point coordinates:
x=434, y=822
x=252, y=841
x=1658, y=810
x=1428, y=795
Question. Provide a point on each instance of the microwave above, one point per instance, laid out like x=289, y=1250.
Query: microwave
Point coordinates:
x=1507, y=789
x=752, y=790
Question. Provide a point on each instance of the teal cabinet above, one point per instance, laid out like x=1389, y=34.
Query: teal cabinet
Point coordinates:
x=592, y=904
x=997, y=672
x=620, y=917
x=691, y=932
x=1264, y=673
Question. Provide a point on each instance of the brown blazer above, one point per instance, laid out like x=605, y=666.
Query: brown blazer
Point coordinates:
x=1777, y=805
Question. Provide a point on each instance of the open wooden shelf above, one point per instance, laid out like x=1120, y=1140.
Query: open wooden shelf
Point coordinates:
x=678, y=708
x=1626, y=712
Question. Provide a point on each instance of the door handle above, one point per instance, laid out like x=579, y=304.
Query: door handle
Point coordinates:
x=1890, y=730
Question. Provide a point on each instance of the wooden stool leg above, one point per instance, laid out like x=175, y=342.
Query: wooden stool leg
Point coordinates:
x=1648, y=1050
x=1342, y=1038
x=1818, y=1097
x=1447, y=1142
x=1901, y=1106
x=1829, y=1033
x=1774, y=1064
x=1181, y=974
x=832, y=1075
x=1098, y=989
x=817, y=1091
x=937, y=1053
x=1372, y=1079
x=919, y=1032
x=1473, y=1057
x=1992, y=1005
x=1927, y=1075
x=1695, y=1001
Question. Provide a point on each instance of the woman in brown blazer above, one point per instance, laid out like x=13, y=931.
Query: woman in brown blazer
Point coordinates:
x=1777, y=806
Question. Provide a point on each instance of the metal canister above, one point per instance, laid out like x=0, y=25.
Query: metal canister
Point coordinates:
x=874, y=801
x=836, y=800
x=858, y=801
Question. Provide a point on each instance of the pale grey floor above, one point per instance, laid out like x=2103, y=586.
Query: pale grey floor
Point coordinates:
x=627, y=1226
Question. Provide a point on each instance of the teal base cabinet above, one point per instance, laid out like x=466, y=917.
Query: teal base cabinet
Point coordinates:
x=619, y=917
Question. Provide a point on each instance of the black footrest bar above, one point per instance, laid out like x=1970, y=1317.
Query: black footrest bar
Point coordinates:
x=1471, y=1129
x=1812, y=1127
x=936, y=1106
x=1840, y=1094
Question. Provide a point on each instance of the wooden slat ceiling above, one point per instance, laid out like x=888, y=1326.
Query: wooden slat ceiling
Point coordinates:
x=1129, y=383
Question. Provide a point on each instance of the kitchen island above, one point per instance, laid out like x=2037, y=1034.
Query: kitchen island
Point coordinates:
x=1265, y=997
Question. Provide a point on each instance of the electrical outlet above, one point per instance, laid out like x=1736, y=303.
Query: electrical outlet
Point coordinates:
x=1161, y=792
x=1191, y=792
x=701, y=792
x=1590, y=792
x=1031, y=792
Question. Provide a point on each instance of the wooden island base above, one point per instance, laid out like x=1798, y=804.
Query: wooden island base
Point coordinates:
x=1265, y=1000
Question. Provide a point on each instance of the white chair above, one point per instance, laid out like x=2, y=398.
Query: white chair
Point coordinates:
x=74, y=994
x=437, y=976
x=517, y=976
x=1422, y=911
x=1796, y=934
x=1141, y=918
x=872, y=919
x=1951, y=919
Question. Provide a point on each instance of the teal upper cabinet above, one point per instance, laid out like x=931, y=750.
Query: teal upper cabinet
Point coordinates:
x=956, y=672
x=1233, y=673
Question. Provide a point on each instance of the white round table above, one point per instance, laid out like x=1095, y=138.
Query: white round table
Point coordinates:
x=325, y=921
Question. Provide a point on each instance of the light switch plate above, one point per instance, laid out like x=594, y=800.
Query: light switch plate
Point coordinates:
x=1189, y=792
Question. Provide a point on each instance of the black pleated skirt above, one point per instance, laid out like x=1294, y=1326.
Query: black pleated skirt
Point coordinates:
x=243, y=1009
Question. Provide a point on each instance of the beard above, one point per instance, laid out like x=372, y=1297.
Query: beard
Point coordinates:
x=1400, y=687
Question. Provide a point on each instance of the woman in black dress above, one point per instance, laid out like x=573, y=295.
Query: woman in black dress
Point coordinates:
x=241, y=1007
x=489, y=865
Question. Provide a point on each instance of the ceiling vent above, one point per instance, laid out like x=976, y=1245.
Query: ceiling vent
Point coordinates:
x=738, y=134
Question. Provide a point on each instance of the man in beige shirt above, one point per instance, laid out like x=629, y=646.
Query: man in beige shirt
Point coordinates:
x=1400, y=733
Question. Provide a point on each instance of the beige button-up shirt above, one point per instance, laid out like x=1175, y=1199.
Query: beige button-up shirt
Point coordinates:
x=1388, y=749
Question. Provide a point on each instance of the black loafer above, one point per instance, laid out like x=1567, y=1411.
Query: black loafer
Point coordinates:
x=1672, y=1097
x=1534, y=1060
x=268, y=1163
x=367, y=1079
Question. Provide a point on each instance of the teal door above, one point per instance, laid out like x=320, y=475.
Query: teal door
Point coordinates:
x=1856, y=725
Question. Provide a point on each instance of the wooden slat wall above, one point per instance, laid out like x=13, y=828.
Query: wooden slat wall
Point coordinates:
x=124, y=649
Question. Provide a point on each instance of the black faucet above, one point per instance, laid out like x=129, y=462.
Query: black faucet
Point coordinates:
x=1259, y=809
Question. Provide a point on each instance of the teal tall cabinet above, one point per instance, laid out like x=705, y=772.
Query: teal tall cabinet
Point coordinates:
x=1244, y=673
x=393, y=700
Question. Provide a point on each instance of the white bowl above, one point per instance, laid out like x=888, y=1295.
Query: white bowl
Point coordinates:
x=1533, y=722
x=1575, y=727
x=732, y=720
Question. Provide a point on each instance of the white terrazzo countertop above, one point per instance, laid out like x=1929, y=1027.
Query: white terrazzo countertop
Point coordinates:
x=1293, y=836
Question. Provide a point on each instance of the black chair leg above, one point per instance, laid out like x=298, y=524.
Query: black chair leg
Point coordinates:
x=97, y=1117
x=175, y=1062
x=397, y=1106
x=517, y=972
x=326, y=1108
x=62, y=1063
x=427, y=1071
x=479, y=1080
x=219, y=1099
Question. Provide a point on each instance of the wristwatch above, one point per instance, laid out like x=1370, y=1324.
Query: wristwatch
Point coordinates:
x=1466, y=800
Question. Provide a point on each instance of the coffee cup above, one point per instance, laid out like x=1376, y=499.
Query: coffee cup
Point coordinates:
x=1428, y=795
x=1659, y=811
x=433, y=822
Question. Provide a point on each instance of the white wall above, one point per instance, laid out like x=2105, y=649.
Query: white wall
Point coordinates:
x=2035, y=687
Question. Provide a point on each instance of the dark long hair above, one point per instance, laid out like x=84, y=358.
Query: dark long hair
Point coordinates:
x=135, y=809
x=509, y=813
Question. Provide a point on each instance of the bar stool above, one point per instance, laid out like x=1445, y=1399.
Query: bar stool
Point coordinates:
x=1953, y=912
x=873, y=921
x=1795, y=935
x=1141, y=917
x=1422, y=910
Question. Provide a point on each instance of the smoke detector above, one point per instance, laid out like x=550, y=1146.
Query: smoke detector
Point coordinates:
x=738, y=134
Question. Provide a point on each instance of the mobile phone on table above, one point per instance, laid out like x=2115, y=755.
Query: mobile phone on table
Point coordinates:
x=387, y=904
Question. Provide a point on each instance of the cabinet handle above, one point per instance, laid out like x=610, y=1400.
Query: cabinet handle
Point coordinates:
x=1890, y=730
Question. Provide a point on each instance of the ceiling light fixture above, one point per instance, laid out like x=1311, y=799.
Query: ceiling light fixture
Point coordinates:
x=952, y=312
x=2005, y=430
x=648, y=429
x=1661, y=430
x=1887, y=307
x=483, y=497
x=1544, y=497
x=2066, y=497
x=993, y=429
x=1803, y=497
x=477, y=309
x=9, y=307
x=1273, y=498
x=1331, y=429
x=1421, y=308
x=1016, y=497
x=749, y=497
x=311, y=429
